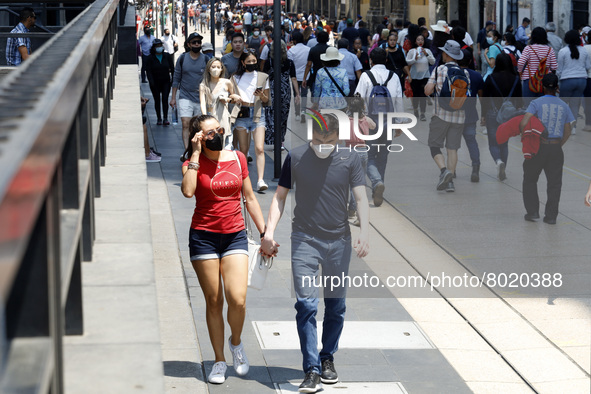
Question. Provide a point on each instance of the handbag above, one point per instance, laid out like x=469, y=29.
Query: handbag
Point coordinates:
x=258, y=265
x=244, y=112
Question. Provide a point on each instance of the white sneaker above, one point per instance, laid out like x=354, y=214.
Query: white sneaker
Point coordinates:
x=298, y=118
x=218, y=373
x=261, y=185
x=241, y=365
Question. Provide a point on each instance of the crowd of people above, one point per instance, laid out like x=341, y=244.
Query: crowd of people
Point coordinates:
x=526, y=84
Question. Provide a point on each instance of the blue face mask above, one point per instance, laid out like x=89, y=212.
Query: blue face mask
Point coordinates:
x=490, y=40
x=159, y=50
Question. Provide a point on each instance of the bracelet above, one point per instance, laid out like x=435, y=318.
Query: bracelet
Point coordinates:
x=262, y=234
x=193, y=166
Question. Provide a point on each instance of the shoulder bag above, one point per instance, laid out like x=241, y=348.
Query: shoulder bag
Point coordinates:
x=258, y=265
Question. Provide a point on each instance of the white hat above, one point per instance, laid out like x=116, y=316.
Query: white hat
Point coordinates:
x=331, y=54
x=586, y=29
x=441, y=26
x=207, y=47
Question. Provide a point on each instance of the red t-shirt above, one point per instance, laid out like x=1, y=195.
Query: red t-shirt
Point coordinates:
x=217, y=195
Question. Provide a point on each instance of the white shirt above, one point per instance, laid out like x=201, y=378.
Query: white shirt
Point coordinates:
x=468, y=40
x=265, y=52
x=247, y=84
x=168, y=43
x=299, y=55
x=401, y=36
x=380, y=73
x=247, y=18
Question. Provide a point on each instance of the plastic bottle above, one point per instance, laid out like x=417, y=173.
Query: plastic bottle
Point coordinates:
x=175, y=116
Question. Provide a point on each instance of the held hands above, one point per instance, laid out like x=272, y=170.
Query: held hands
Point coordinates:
x=269, y=247
x=236, y=99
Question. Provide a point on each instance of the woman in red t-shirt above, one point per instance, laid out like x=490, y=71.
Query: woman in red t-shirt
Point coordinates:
x=217, y=240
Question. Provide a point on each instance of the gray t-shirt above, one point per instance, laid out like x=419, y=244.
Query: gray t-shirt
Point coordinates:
x=192, y=75
x=321, y=189
x=231, y=63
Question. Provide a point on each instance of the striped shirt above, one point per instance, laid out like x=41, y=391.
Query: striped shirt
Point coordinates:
x=458, y=116
x=532, y=54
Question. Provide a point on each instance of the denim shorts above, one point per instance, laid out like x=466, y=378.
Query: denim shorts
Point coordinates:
x=205, y=245
x=248, y=123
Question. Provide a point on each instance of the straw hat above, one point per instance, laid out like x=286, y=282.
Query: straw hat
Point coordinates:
x=441, y=26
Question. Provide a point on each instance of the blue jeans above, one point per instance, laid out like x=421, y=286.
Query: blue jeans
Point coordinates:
x=308, y=253
x=571, y=91
x=363, y=157
x=377, y=160
x=470, y=138
x=498, y=152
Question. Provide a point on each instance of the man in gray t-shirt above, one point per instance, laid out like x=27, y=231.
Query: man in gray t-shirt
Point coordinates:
x=188, y=74
x=231, y=60
x=323, y=177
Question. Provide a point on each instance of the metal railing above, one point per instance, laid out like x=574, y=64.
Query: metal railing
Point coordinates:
x=53, y=126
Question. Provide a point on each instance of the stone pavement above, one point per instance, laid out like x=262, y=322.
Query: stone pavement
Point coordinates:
x=483, y=340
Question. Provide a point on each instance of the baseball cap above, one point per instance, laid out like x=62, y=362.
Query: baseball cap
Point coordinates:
x=550, y=81
x=488, y=23
x=207, y=47
x=193, y=36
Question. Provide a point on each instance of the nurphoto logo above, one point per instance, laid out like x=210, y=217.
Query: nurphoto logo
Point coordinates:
x=387, y=122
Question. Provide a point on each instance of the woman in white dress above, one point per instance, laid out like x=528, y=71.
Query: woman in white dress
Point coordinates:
x=214, y=95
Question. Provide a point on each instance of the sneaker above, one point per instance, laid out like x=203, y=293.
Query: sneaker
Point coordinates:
x=249, y=159
x=444, y=179
x=165, y=122
x=587, y=127
x=532, y=217
x=501, y=171
x=155, y=152
x=218, y=373
x=153, y=158
x=423, y=117
x=262, y=186
x=241, y=365
x=450, y=188
x=378, y=194
x=159, y=122
x=298, y=118
x=311, y=383
x=549, y=220
x=329, y=373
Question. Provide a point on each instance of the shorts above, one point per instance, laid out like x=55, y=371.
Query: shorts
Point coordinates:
x=205, y=245
x=188, y=108
x=441, y=131
x=248, y=123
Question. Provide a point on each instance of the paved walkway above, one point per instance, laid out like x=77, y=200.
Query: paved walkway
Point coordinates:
x=484, y=340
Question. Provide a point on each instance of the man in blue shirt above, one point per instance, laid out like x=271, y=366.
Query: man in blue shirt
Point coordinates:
x=520, y=35
x=145, y=43
x=19, y=48
x=321, y=237
x=556, y=116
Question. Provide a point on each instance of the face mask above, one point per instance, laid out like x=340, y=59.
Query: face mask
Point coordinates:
x=215, y=144
x=147, y=32
x=321, y=154
x=196, y=50
x=490, y=40
x=215, y=72
x=167, y=34
x=256, y=33
x=250, y=67
x=159, y=50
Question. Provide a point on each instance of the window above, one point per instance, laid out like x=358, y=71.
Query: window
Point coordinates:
x=580, y=13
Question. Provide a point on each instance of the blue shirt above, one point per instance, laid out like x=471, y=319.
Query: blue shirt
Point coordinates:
x=493, y=52
x=325, y=91
x=476, y=84
x=350, y=63
x=553, y=113
x=146, y=43
x=520, y=34
x=342, y=26
x=13, y=56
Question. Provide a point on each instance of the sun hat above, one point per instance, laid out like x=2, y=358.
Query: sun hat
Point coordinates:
x=441, y=26
x=331, y=54
x=452, y=48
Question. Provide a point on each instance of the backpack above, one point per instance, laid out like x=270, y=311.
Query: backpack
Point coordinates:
x=535, y=80
x=379, y=97
x=507, y=110
x=456, y=86
x=513, y=55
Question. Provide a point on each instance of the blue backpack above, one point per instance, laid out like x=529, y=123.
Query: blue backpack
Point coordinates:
x=379, y=97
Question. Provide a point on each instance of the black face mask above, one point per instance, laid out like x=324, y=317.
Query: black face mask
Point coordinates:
x=195, y=49
x=250, y=67
x=147, y=32
x=216, y=143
